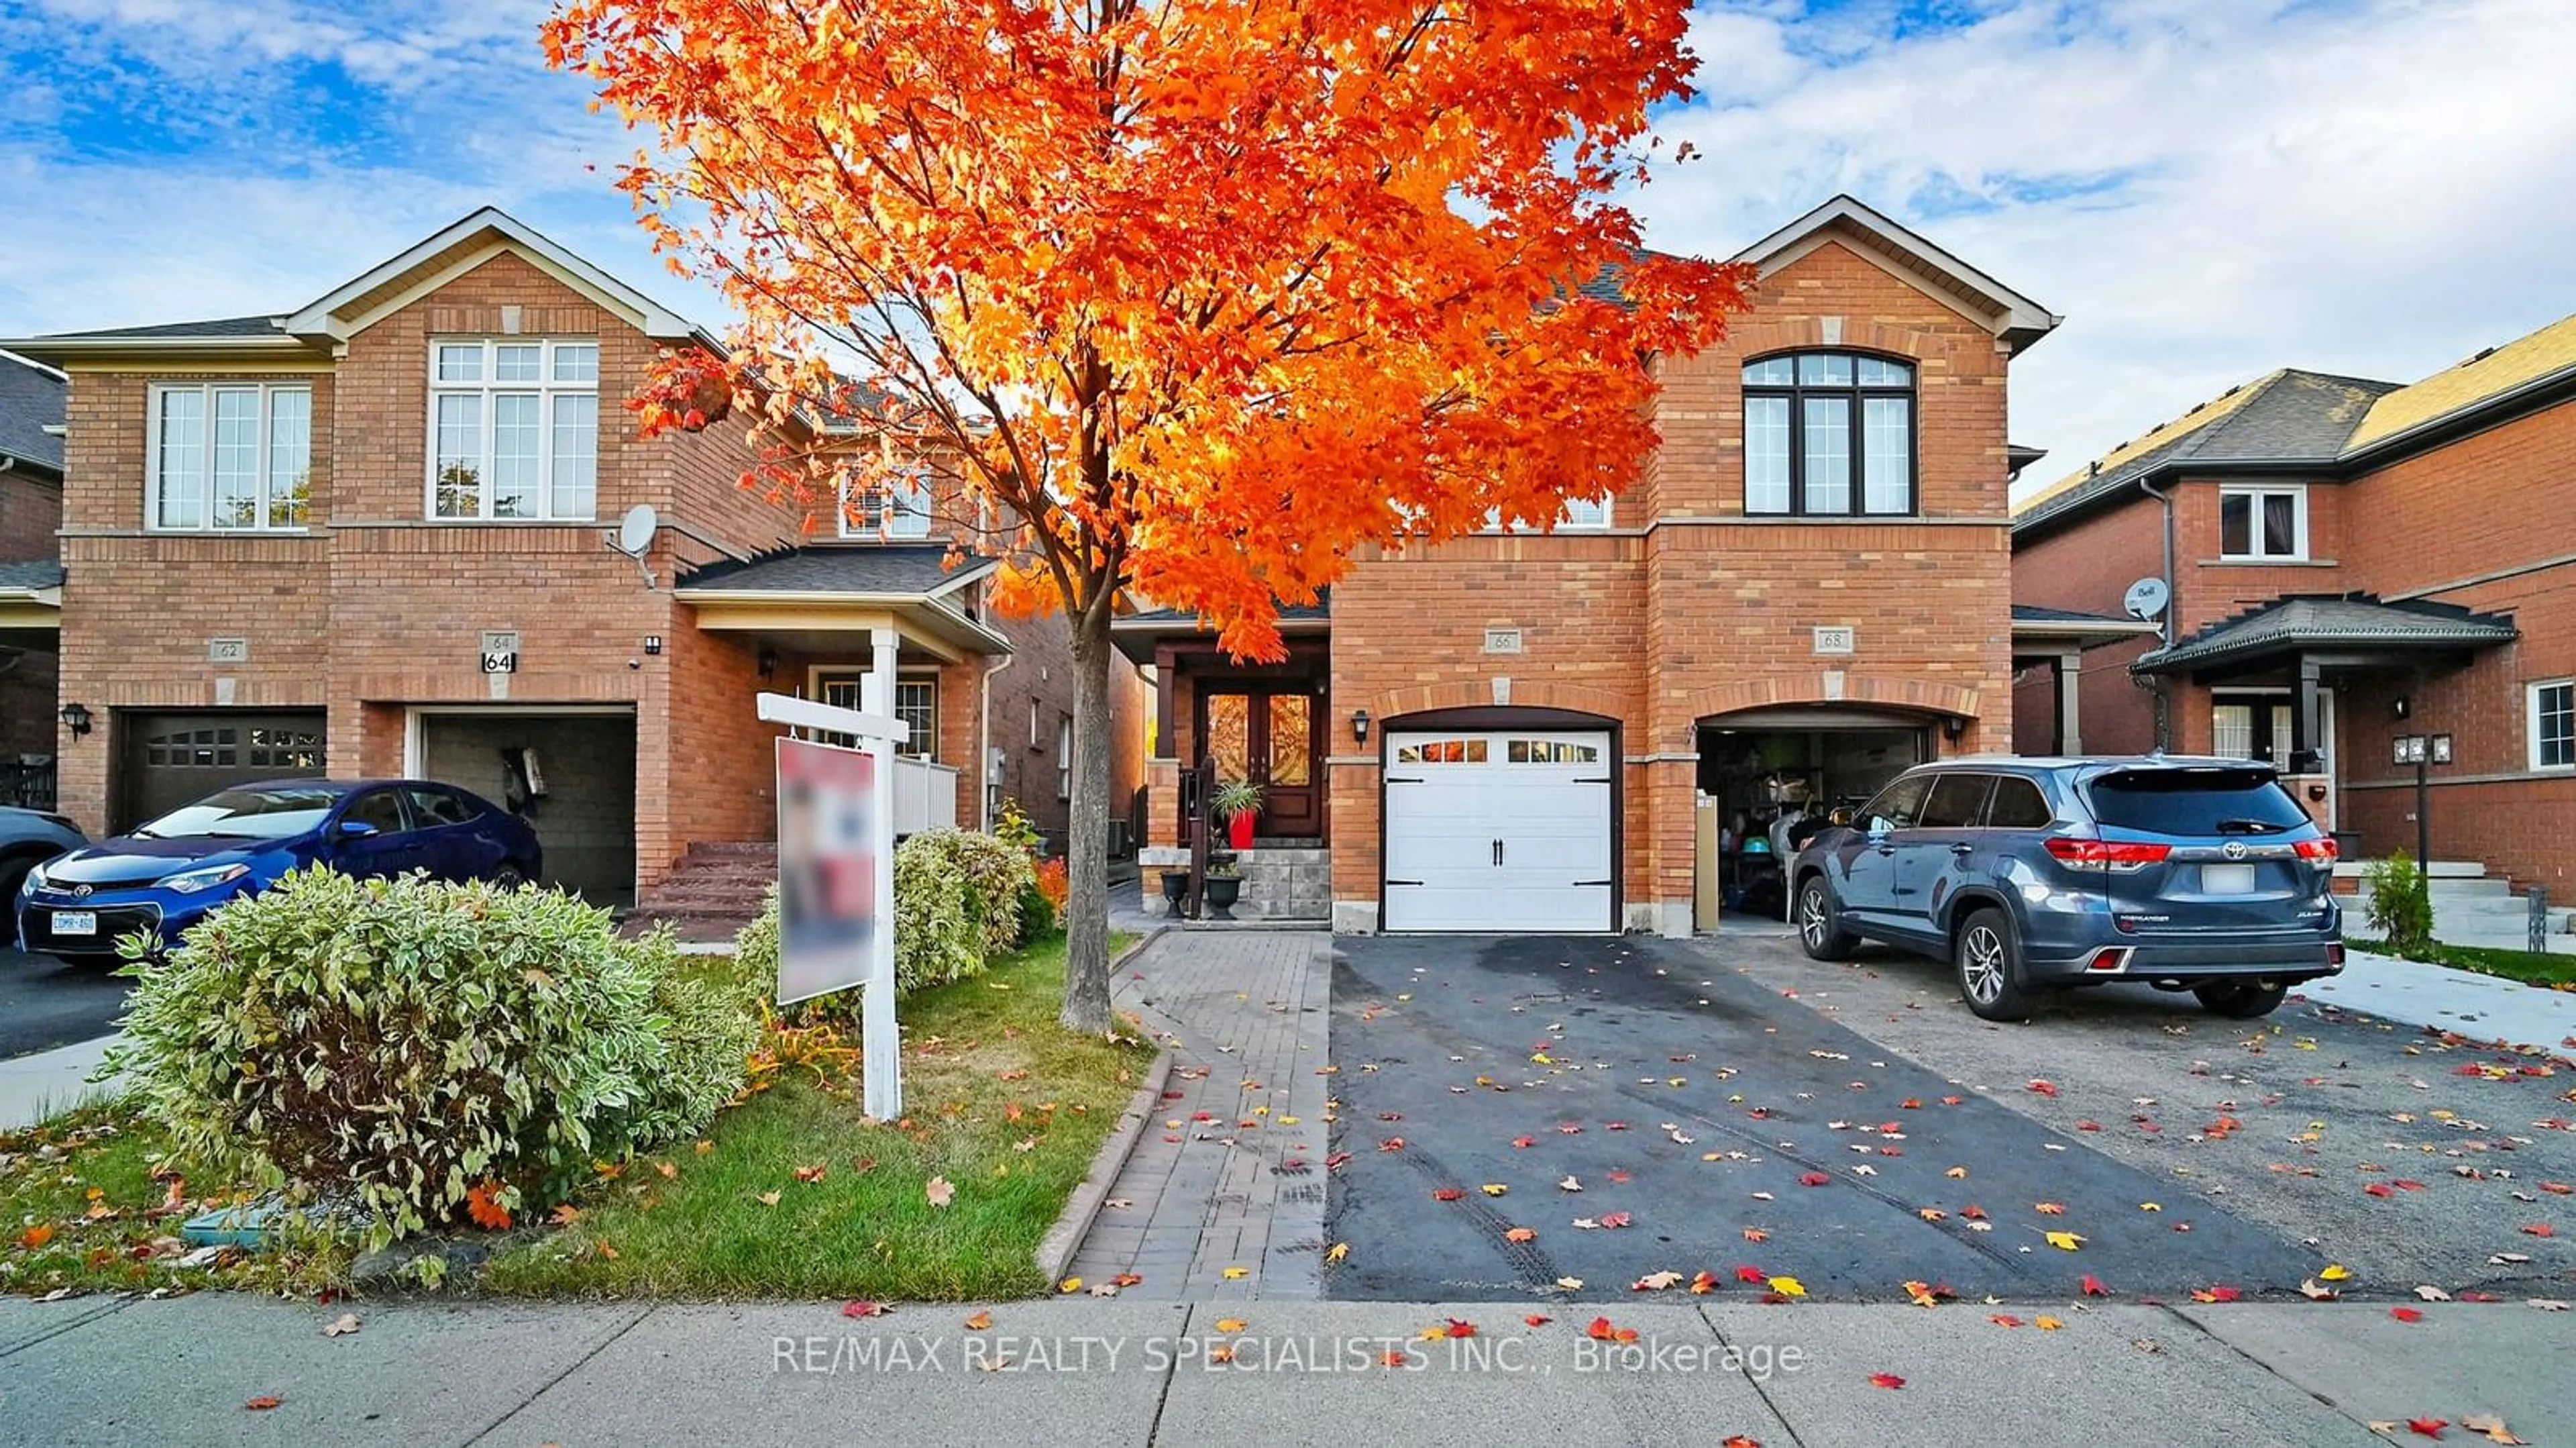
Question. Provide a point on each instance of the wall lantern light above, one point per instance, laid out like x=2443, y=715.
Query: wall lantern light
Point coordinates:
x=75, y=718
x=1359, y=725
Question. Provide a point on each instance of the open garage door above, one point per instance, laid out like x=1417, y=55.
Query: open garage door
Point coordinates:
x=1499, y=830
x=571, y=775
x=167, y=759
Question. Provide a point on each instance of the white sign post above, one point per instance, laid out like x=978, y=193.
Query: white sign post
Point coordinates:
x=879, y=734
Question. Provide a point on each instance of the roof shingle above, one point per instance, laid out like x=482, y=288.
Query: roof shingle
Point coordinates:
x=889, y=569
x=31, y=400
x=2344, y=619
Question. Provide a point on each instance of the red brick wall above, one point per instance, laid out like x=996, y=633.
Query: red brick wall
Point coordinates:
x=31, y=509
x=2494, y=502
x=2088, y=568
x=377, y=608
x=1689, y=609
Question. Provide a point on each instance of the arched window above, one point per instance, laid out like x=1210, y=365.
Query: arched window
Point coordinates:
x=1829, y=434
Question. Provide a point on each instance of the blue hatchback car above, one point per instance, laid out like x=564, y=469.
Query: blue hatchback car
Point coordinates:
x=2026, y=874
x=167, y=874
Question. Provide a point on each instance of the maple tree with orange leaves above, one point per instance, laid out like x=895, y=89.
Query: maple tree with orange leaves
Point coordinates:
x=1200, y=297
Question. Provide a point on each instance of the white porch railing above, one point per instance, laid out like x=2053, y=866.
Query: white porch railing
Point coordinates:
x=925, y=795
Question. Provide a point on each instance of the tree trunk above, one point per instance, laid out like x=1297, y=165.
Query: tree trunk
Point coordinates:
x=1086, y=849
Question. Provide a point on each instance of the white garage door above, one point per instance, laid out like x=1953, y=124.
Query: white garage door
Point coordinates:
x=1492, y=829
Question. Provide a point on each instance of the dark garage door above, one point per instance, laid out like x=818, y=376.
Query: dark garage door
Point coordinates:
x=169, y=759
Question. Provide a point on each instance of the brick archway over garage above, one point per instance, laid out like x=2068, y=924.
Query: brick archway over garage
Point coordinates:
x=1479, y=694
x=1865, y=689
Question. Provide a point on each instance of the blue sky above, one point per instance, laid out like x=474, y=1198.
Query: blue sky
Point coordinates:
x=2205, y=188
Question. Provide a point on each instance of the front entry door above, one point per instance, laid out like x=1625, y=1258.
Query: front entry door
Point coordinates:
x=1268, y=736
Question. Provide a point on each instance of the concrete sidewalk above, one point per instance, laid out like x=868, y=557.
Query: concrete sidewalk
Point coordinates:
x=1223, y=1198
x=1127, y=1372
x=45, y=1083
x=2481, y=1007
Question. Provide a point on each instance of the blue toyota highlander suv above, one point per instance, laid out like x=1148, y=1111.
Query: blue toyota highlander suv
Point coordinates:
x=2185, y=874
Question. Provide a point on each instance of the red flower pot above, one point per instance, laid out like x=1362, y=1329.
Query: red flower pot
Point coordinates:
x=1238, y=831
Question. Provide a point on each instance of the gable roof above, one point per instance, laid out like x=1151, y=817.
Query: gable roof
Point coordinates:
x=460, y=248
x=2291, y=417
x=2015, y=318
x=31, y=400
x=355, y=304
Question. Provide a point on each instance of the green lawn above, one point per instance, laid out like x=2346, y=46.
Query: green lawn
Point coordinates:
x=88, y=1201
x=2558, y=972
x=1003, y=1103
x=1000, y=1101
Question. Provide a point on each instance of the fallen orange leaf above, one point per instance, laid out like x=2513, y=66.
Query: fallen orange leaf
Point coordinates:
x=1886, y=1380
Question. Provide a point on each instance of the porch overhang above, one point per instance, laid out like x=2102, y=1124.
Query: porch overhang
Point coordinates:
x=835, y=618
x=31, y=595
x=822, y=595
x=2309, y=634
x=2046, y=632
x=1143, y=634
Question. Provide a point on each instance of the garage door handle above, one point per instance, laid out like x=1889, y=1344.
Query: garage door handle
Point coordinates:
x=1498, y=852
x=1404, y=882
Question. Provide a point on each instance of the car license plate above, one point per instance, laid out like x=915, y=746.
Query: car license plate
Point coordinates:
x=2227, y=879
x=75, y=922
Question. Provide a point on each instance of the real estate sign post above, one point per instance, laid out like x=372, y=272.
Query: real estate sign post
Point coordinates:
x=836, y=873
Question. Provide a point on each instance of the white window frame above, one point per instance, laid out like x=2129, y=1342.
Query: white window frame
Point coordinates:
x=1573, y=520
x=2297, y=493
x=205, y=392
x=909, y=519
x=924, y=743
x=1064, y=756
x=2531, y=721
x=488, y=388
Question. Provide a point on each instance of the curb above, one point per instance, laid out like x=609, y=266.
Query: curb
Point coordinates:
x=1055, y=1251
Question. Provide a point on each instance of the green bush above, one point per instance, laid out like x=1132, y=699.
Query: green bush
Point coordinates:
x=389, y=1046
x=2401, y=901
x=958, y=901
x=1038, y=917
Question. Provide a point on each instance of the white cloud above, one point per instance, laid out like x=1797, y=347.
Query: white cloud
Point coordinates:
x=2207, y=189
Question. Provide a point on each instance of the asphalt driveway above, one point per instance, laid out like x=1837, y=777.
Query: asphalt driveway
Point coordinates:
x=1716, y=1121
x=45, y=1003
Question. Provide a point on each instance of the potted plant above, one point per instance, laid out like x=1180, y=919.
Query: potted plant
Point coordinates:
x=1176, y=888
x=1236, y=802
x=1224, y=886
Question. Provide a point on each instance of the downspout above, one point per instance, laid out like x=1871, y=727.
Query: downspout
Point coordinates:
x=984, y=738
x=2173, y=603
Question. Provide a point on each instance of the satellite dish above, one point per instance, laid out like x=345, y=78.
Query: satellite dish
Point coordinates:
x=635, y=530
x=2146, y=599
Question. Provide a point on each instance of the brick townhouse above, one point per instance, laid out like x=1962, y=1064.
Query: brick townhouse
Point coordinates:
x=2351, y=564
x=378, y=535
x=31, y=510
x=1808, y=589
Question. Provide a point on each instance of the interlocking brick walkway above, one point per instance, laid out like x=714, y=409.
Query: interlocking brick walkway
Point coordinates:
x=1244, y=1013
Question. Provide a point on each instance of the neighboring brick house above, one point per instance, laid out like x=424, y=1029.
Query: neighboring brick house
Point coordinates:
x=376, y=536
x=1807, y=590
x=2352, y=563
x=31, y=576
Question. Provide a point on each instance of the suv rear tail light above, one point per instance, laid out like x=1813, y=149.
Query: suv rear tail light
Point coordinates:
x=2318, y=849
x=2334, y=953
x=2110, y=854
x=2109, y=958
